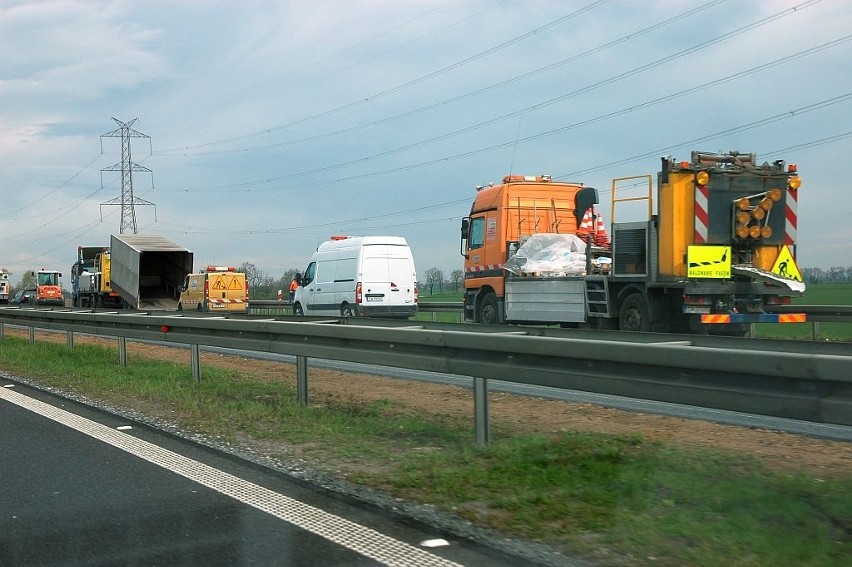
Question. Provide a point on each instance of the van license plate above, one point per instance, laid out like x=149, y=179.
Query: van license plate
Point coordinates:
x=374, y=297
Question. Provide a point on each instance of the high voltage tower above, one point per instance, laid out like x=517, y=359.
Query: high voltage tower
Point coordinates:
x=126, y=167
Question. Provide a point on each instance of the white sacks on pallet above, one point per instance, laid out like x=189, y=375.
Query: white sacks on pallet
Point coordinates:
x=549, y=255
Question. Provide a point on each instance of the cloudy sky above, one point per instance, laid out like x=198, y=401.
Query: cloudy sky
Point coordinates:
x=275, y=124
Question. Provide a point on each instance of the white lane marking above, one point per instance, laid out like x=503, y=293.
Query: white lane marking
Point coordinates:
x=8, y=385
x=358, y=538
x=124, y=427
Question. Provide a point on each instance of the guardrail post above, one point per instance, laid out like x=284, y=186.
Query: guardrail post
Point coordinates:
x=70, y=339
x=2, y=331
x=32, y=335
x=302, y=380
x=815, y=330
x=195, y=362
x=122, y=351
x=480, y=411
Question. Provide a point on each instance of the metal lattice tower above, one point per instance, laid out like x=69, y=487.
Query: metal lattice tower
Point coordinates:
x=127, y=201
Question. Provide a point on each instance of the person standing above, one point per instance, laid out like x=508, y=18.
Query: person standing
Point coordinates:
x=297, y=281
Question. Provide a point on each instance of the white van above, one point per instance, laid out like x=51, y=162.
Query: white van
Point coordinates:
x=363, y=276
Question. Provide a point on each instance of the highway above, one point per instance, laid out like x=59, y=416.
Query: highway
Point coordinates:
x=85, y=487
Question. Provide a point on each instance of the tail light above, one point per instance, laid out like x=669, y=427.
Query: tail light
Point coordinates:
x=777, y=300
x=696, y=300
x=206, y=289
x=359, y=294
x=415, y=292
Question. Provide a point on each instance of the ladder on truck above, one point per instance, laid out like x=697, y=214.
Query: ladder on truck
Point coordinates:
x=597, y=296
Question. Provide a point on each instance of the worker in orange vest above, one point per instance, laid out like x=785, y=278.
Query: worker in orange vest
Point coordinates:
x=297, y=281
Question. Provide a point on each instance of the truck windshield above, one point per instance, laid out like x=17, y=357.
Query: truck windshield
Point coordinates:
x=47, y=279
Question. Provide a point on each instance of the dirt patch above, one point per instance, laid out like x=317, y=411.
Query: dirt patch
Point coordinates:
x=781, y=451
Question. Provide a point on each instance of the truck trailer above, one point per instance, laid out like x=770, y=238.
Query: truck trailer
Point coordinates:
x=717, y=255
x=147, y=271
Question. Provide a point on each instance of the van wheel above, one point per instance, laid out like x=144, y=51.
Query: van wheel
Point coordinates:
x=297, y=310
x=488, y=314
x=346, y=311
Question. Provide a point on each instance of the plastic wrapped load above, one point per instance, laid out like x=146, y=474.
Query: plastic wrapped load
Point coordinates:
x=550, y=255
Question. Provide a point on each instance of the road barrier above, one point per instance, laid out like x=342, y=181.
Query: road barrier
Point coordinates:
x=809, y=381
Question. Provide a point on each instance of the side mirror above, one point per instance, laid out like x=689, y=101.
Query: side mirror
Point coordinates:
x=465, y=228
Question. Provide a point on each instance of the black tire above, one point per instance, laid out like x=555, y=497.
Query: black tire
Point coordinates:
x=346, y=311
x=297, y=310
x=634, y=314
x=489, y=313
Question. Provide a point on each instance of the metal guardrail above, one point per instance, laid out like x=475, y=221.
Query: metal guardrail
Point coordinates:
x=816, y=313
x=745, y=378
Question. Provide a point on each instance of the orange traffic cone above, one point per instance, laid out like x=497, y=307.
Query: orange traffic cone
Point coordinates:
x=586, y=227
x=601, y=237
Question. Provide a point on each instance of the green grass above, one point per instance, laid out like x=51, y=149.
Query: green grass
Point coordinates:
x=578, y=492
x=815, y=294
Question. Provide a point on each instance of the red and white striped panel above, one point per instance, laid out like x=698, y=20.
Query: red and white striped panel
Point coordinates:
x=486, y=267
x=791, y=230
x=702, y=196
x=226, y=301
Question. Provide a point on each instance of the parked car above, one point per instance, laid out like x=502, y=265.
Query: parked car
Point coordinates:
x=24, y=296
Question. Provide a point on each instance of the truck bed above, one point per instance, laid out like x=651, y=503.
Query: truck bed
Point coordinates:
x=546, y=299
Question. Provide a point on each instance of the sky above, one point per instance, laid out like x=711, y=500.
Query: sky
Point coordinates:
x=269, y=126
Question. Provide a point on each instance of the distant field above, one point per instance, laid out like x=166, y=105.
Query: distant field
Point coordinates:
x=815, y=294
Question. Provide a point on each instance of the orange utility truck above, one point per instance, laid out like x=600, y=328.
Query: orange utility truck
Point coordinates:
x=48, y=288
x=717, y=255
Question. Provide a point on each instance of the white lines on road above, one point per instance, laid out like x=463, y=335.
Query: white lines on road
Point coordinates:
x=355, y=537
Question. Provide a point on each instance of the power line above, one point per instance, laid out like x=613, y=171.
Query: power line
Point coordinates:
x=412, y=82
x=443, y=104
x=576, y=92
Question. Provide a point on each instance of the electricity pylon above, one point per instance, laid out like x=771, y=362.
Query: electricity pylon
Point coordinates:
x=126, y=167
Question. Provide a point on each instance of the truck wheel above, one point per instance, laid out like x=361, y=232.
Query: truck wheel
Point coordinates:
x=488, y=313
x=346, y=311
x=634, y=315
x=297, y=310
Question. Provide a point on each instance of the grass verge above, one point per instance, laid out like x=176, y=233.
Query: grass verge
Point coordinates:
x=582, y=493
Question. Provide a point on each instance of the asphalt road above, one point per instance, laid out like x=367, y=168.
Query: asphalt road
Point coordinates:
x=83, y=487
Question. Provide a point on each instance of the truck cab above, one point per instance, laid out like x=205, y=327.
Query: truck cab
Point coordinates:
x=48, y=288
x=502, y=218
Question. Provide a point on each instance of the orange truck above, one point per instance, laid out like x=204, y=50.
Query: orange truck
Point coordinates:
x=717, y=255
x=48, y=287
